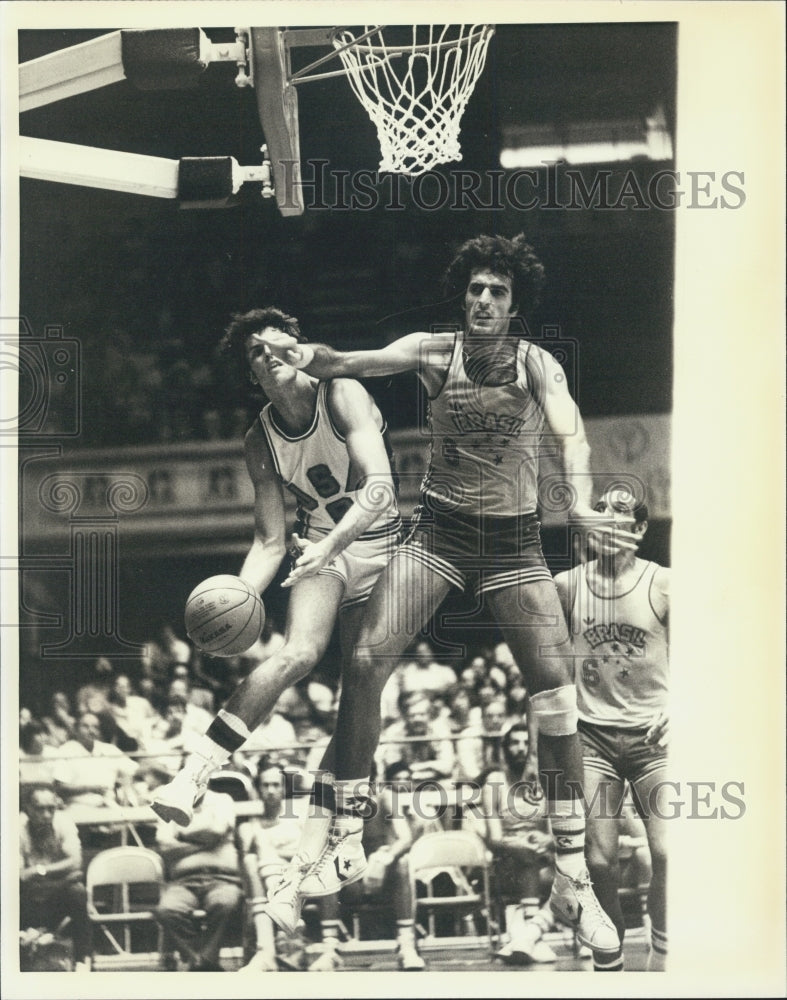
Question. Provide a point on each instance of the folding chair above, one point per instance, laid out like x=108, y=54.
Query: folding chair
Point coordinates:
x=462, y=857
x=134, y=877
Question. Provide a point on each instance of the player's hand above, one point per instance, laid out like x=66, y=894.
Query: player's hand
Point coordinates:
x=286, y=348
x=606, y=528
x=309, y=559
x=658, y=733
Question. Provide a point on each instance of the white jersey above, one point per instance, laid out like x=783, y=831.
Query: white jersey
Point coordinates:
x=315, y=466
x=620, y=652
x=485, y=441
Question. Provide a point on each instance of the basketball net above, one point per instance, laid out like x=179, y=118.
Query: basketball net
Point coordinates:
x=415, y=93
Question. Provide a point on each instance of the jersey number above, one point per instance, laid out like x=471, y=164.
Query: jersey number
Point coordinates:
x=325, y=486
x=590, y=674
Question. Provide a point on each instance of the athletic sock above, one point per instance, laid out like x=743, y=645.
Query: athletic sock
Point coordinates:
x=405, y=931
x=322, y=807
x=567, y=820
x=352, y=796
x=657, y=959
x=226, y=734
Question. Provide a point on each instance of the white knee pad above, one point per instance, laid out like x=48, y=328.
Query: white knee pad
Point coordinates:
x=556, y=710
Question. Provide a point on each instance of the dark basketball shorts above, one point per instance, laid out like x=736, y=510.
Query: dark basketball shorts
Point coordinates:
x=489, y=553
x=620, y=753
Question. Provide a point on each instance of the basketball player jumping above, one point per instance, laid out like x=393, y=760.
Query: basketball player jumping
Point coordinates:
x=326, y=443
x=492, y=396
x=617, y=607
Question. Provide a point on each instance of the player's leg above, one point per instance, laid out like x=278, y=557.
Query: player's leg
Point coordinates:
x=336, y=807
x=404, y=599
x=311, y=614
x=604, y=791
x=402, y=602
x=531, y=620
x=651, y=796
x=397, y=884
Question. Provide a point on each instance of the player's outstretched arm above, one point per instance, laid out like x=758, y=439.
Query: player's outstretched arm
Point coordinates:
x=357, y=419
x=414, y=352
x=564, y=420
x=268, y=548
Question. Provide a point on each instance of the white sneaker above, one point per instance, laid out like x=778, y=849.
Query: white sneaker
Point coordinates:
x=176, y=800
x=328, y=961
x=261, y=961
x=408, y=957
x=341, y=862
x=574, y=903
x=527, y=945
x=285, y=900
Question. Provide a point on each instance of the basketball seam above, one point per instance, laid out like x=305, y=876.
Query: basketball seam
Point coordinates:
x=240, y=631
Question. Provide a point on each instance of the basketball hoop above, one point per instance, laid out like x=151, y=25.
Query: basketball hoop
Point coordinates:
x=415, y=90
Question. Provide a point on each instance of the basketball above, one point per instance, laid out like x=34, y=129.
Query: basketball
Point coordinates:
x=224, y=615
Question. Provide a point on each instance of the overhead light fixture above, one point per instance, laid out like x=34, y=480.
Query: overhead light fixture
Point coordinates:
x=587, y=142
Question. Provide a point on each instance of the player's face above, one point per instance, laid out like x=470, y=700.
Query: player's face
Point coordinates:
x=267, y=369
x=488, y=304
x=618, y=505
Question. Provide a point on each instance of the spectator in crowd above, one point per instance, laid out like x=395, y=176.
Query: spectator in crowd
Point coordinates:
x=516, y=830
x=206, y=674
x=200, y=692
x=161, y=654
x=60, y=723
x=50, y=873
x=170, y=737
x=134, y=716
x=203, y=872
x=474, y=673
x=268, y=842
x=90, y=773
x=387, y=838
x=273, y=733
x=36, y=764
x=307, y=700
x=427, y=750
x=390, y=696
x=516, y=699
x=424, y=674
x=462, y=710
x=197, y=719
x=479, y=746
x=94, y=696
x=503, y=664
x=419, y=673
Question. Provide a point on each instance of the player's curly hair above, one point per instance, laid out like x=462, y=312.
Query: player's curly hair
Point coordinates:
x=514, y=258
x=233, y=343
